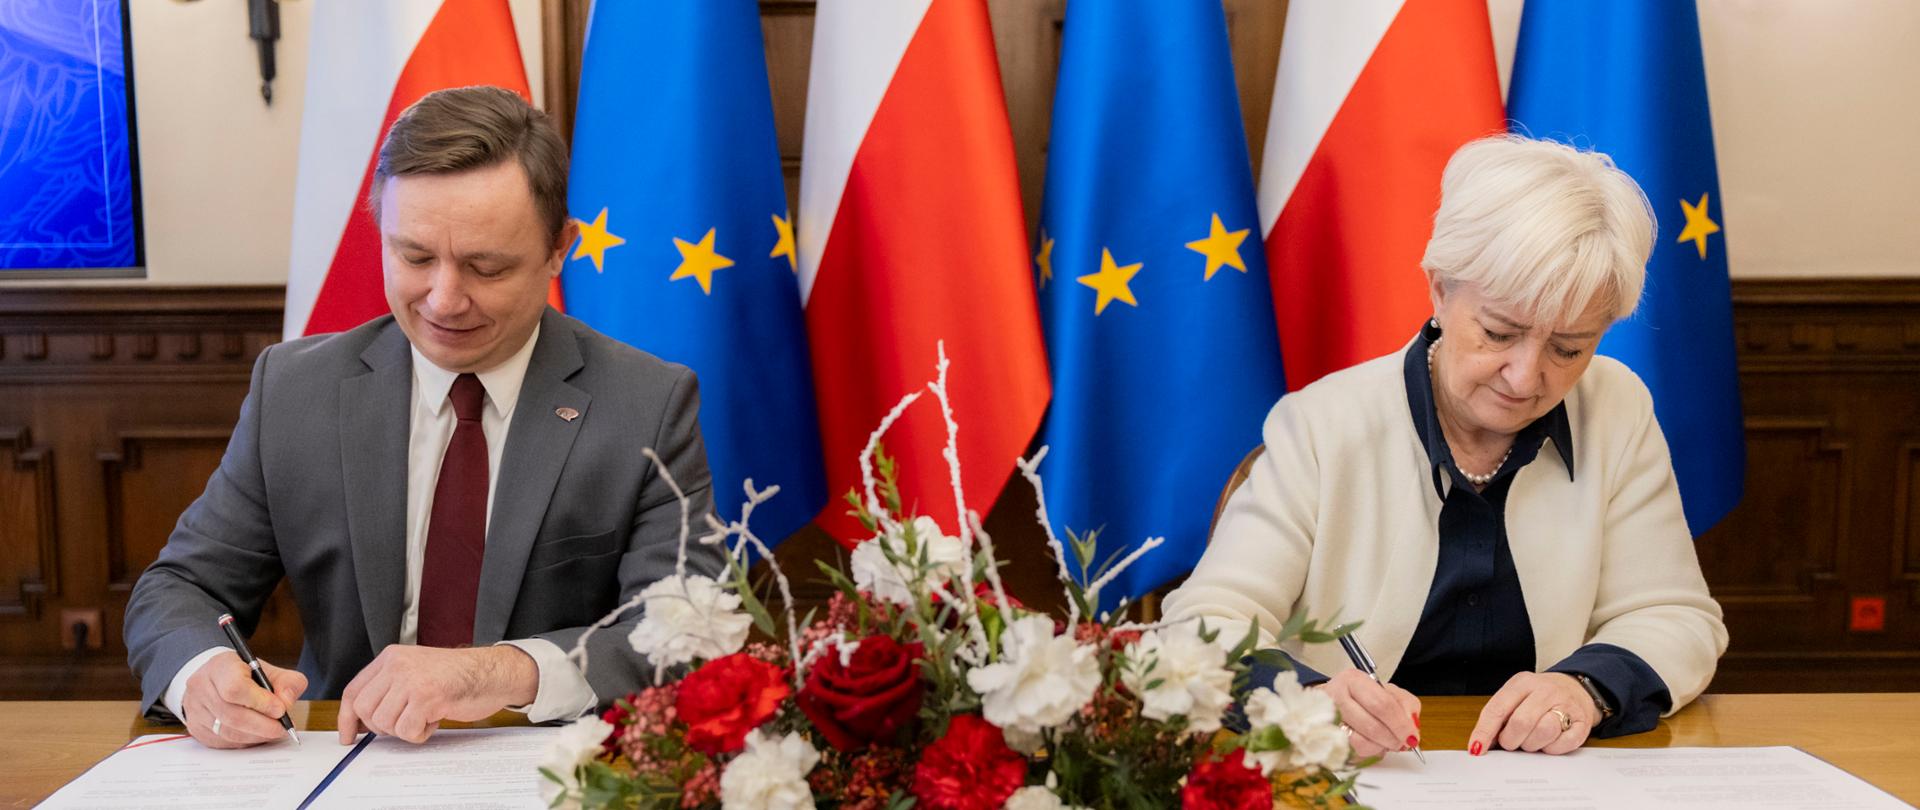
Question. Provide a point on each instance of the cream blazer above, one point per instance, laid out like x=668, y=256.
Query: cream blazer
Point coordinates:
x=1339, y=519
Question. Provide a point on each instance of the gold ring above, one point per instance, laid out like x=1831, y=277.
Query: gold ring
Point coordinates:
x=1565, y=721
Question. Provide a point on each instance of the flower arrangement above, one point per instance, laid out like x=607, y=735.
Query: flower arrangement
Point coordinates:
x=926, y=686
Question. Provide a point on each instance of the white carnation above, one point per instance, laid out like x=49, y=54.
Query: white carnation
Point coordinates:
x=688, y=619
x=1040, y=681
x=1039, y=797
x=1307, y=718
x=770, y=775
x=576, y=744
x=874, y=573
x=1034, y=797
x=1176, y=672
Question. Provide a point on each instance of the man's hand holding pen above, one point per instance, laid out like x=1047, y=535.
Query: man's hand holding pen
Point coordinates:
x=224, y=708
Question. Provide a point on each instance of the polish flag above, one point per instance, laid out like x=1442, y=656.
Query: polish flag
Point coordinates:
x=911, y=233
x=368, y=60
x=1372, y=98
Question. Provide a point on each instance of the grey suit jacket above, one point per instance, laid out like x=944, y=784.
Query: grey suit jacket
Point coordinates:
x=313, y=487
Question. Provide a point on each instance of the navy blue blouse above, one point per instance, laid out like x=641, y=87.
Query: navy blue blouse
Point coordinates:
x=1474, y=632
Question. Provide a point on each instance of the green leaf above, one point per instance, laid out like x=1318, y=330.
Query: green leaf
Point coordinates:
x=1247, y=642
x=1270, y=738
x=761, y=618
x=1291, y=628
x=1272, y=658
x=838, y=579
x=751, y=604
x=859, y=511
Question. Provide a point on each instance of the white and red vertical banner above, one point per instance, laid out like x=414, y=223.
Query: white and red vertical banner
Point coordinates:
x=910, y=233
x=1371, y=99
x=368, y=60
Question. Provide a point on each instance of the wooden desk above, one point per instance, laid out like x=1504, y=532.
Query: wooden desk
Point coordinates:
x=45, y=745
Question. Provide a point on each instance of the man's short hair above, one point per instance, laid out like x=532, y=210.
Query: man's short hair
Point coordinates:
x=464, y=128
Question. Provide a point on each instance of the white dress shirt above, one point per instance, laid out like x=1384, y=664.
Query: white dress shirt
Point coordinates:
x=563, y=692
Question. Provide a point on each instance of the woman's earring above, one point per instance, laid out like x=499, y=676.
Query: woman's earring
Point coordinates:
x=1435, y=322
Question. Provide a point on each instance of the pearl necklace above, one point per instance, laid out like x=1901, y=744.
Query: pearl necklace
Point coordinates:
x=1476, y=480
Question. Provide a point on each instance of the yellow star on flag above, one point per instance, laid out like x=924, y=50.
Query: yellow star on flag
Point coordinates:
x=784, y=245
x=699, y=261
x=1699, y=225
x=1044, y=260
x=1111, y=282
x=595, y=240
x=1221, y=247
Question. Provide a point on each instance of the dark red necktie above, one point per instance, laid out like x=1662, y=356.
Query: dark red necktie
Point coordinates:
x=457, y=529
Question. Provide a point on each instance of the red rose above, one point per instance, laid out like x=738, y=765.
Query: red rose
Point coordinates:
x=870, y=698
x=1229, y=784
x=727, y=698
x=969, y=769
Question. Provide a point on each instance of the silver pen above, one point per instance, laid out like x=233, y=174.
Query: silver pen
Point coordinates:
x=1365, y=663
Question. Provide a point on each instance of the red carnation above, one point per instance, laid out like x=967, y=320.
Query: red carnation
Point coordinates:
x=869, y=699
x=1228, y=784
x=727, y=698
x=616, y=716
x=969, y=769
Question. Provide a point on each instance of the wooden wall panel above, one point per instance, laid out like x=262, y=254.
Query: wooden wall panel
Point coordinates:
x=1906, y=537
x=137, y=390
x=1791, y=527
x=1830, y=375
x=134, y=392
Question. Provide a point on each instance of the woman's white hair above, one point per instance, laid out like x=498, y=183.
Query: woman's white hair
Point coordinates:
x=1541, y=227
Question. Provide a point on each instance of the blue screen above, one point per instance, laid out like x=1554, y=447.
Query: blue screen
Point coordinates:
x=68, y=198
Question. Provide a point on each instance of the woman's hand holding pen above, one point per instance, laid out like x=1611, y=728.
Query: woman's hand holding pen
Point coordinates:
x=224, y=708
x=1383, y=717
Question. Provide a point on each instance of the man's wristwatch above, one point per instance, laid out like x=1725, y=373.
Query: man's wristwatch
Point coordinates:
x=1593, y=691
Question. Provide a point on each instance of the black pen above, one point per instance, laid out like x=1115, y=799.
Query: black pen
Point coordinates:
x=259, y=674
x=1365, y=662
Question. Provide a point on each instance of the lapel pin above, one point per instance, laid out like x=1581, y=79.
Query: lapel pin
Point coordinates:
x=567, y=414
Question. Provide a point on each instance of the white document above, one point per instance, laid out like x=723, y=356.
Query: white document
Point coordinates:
x=1778, y=778
x=472, y=769
x=169, y=771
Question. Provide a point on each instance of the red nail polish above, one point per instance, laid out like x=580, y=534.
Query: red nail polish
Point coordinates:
x=1412, y=741
x=1416, y=719
x=1474, y=750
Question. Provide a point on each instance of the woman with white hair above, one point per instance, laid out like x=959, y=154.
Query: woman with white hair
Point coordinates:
x=1495, y=502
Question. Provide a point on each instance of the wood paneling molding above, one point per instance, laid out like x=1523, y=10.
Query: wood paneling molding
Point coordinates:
x=30, y=542
x=130, y=548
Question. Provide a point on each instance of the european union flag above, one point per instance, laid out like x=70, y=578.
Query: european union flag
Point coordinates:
x=1153, y=284
x=1625, y=78
x=686, y=244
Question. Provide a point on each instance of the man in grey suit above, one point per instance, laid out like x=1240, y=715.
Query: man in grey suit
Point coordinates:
x=453, y=491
